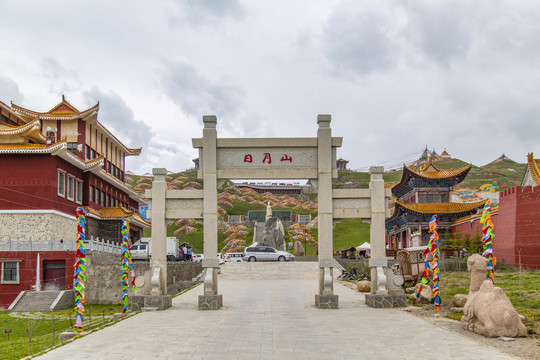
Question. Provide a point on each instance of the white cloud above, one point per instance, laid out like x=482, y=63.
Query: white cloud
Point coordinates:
x=9, y=91
x=396, y=75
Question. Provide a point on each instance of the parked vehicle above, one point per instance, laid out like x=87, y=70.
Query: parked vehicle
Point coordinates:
x=234, y=257
x=265, y=253
x=197, y=257
x=200, y=257
x=142, y=249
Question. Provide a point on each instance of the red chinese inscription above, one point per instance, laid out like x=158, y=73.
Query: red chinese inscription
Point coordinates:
x=286, y=158
x=248, y=158
x=267, y=158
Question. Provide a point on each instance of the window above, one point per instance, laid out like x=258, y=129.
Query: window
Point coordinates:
x=103, y=198
x=92, y=191
x=61, y=183
x=10, y=272
x=87, y=152
x=98, y=196
x=70, y=188
x=108, y=200
x=78, y=197
x=93, y=153
x=72, y=146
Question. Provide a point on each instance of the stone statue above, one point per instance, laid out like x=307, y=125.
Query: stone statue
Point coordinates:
x=489, y=312
x=273, y=234
x=298, y=248
x=268, y=211
x=477, y=266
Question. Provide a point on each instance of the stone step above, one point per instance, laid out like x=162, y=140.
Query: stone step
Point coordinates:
x=36, y=301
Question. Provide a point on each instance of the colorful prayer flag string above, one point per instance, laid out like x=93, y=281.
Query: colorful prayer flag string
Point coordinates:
x=127, y=265
x=432, y=248
x=80, y=269
x=487, y=231
x=435, y=262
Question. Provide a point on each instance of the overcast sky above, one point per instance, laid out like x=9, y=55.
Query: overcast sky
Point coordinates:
x=395, y=75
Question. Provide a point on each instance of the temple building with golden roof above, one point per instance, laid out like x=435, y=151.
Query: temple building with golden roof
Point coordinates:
x=56, y=161
x=420, y=194
x=532, y=174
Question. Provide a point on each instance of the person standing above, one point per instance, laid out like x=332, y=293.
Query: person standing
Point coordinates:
x=189, y=253
x=184, y=250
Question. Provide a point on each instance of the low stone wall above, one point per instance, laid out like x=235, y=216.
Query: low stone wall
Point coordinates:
x=103, y=285
x=306, y=258
x=40, y=227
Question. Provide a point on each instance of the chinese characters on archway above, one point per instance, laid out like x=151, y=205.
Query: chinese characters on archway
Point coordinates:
x=266, y=158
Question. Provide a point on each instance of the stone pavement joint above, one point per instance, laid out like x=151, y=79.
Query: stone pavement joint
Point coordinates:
x=269, y=313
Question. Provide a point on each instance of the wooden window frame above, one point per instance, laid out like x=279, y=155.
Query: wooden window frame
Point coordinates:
x=79, y=191
x=70, y=179
x=18, y=272
x=63, y=192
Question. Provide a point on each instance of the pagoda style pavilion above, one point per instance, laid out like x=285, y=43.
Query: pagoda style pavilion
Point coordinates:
x=56, y=161
x=421, y=194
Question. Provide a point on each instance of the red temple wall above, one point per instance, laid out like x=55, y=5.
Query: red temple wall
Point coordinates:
x=27, y=271
x=521, y=206
x=516, y=227
x=30, y=182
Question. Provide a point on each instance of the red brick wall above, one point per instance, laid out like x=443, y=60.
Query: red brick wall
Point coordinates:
x=28, y=268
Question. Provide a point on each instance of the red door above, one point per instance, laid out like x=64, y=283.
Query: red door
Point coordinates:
x=54, y=277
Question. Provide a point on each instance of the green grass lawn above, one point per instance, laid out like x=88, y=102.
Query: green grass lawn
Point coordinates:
x=347, y=233
x=42, y=337
x=526, y=302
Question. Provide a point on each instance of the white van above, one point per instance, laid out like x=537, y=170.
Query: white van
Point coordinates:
x=234, y=257
x=142, y=249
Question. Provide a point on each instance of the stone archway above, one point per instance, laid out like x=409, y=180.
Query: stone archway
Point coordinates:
x=270, y=158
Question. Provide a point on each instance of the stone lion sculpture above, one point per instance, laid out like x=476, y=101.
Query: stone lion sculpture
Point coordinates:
x=489, y=312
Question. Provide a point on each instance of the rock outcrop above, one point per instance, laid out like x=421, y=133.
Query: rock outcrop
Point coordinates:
x=489, y=312
x=459, y=300
x=274, y=235
x=363, y=286
x=425, y=295
x=298, y=248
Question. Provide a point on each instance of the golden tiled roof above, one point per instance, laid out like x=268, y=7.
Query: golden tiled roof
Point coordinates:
x=116, y=213
x=31, y=148
x=27, y=146
x=494, y=210
x=439, y=173
x=441, y=208
x=62, y=110
x=6, y=129
x=534, y=167
x=134, y=151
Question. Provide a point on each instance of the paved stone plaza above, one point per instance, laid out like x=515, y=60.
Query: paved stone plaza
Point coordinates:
x=269, y=313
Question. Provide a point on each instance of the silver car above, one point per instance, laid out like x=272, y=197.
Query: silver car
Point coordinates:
x=265, y=253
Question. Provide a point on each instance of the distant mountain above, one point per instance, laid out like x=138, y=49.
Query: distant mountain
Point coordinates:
x=503, y=171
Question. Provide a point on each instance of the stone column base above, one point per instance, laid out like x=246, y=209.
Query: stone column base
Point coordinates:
x=150, y=302
x=386, y=301
x=210, y=302
x=326, y=301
